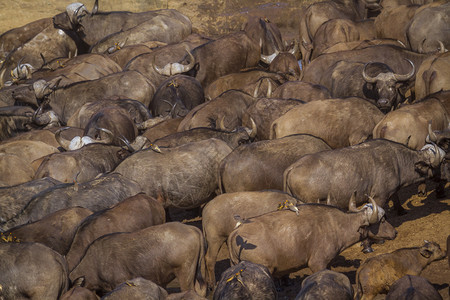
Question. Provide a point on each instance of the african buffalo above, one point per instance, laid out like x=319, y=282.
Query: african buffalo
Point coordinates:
x=31, y=271
x=349, y=121
x=131, y=214
x=316, y=235
x=187, y=174
x=228, y=109
x=433, y=75
x=260, y=165
x=326, y=284
x=176, y=96
x=95, y=195
x=14, y=120
x=55, y=230
x=378, y=168
x=167, y=251
x=408, y=125
x=137, y=288
x=412, y=287
x=246, y=280
x=378, y=273
x=373, y=81
x=218, y=218
x=301, y=90
x=266, y=110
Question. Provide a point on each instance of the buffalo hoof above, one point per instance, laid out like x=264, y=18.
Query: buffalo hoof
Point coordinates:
x=367, y=250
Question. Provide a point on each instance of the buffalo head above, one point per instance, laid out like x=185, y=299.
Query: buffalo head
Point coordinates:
x=386, y=86
x=74, y=13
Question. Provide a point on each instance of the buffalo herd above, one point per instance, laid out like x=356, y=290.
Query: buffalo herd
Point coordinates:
x=114, y=126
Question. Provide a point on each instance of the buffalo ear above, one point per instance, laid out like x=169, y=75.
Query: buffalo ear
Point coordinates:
x=425, y=253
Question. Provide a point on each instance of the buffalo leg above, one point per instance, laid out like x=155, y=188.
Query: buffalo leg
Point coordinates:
x=398, y=207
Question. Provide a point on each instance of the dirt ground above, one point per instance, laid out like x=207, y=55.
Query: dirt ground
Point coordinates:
x=427, y=217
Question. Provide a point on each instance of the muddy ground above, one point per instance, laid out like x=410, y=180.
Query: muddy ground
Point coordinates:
x=427, y=217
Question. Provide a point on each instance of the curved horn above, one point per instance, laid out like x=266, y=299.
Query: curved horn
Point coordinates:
x=127, y=143
x=252, y=134
x=62, y=141
x=329, y=199
x=222, y=124
x=256, y=91
x=374, y=217
x=294, y=50
x=95, y=8
x=441, y=47
x=175, y=68
x=109, y=136
x=405, y=77
x=269, y=58
x=367, y=77
x=431, y=135
x=269, y=89
x=352, y=203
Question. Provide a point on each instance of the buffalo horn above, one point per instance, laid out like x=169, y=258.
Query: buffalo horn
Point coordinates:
x=252, y=134
x=127, y=143
x=95, y=8
x=441, y=47
x=109, y=136
x=294, y=50
x=62, y=141
x=366, y=77
x=374, y=216
x=269, y=88
x=431, y=135
x=269, y=58
x=222, y=124
x=405, y=77
x=175, y=68
x=329, y=199
x=352, y=203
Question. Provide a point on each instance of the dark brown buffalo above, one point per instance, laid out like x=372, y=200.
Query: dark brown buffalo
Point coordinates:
x=375, y=82
x=262, y=30
x=187, y=174
x=313, y=16
x=433, y=75
x=412, y=287
x=408, y=125
x=176, y=96
x=218, y=218
x=167, y=251
x=31, y=271
x=266, y=110
x=83, y=164
x=122, y=55
x=91, y=27
x=132, y=214
x=246, y=280
x=50, y=43
x=66, y=101
x=95, y=195
x=167, y=25
x=160, y=130
x=341, y=30
x=285, y=242
x=378, y=168
x=228, y=109
x=286, y=65
x=137, y=288
x=232, y=138
x=240, y=81
x=372, y=279
x=55, y=230
x=260, y=165
x=349, y=121
x=228, y=54
x=16, y=37
x=301, y=90
x=326, y=284
x=14, y=198
x=428, y=30
x=388, y=54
